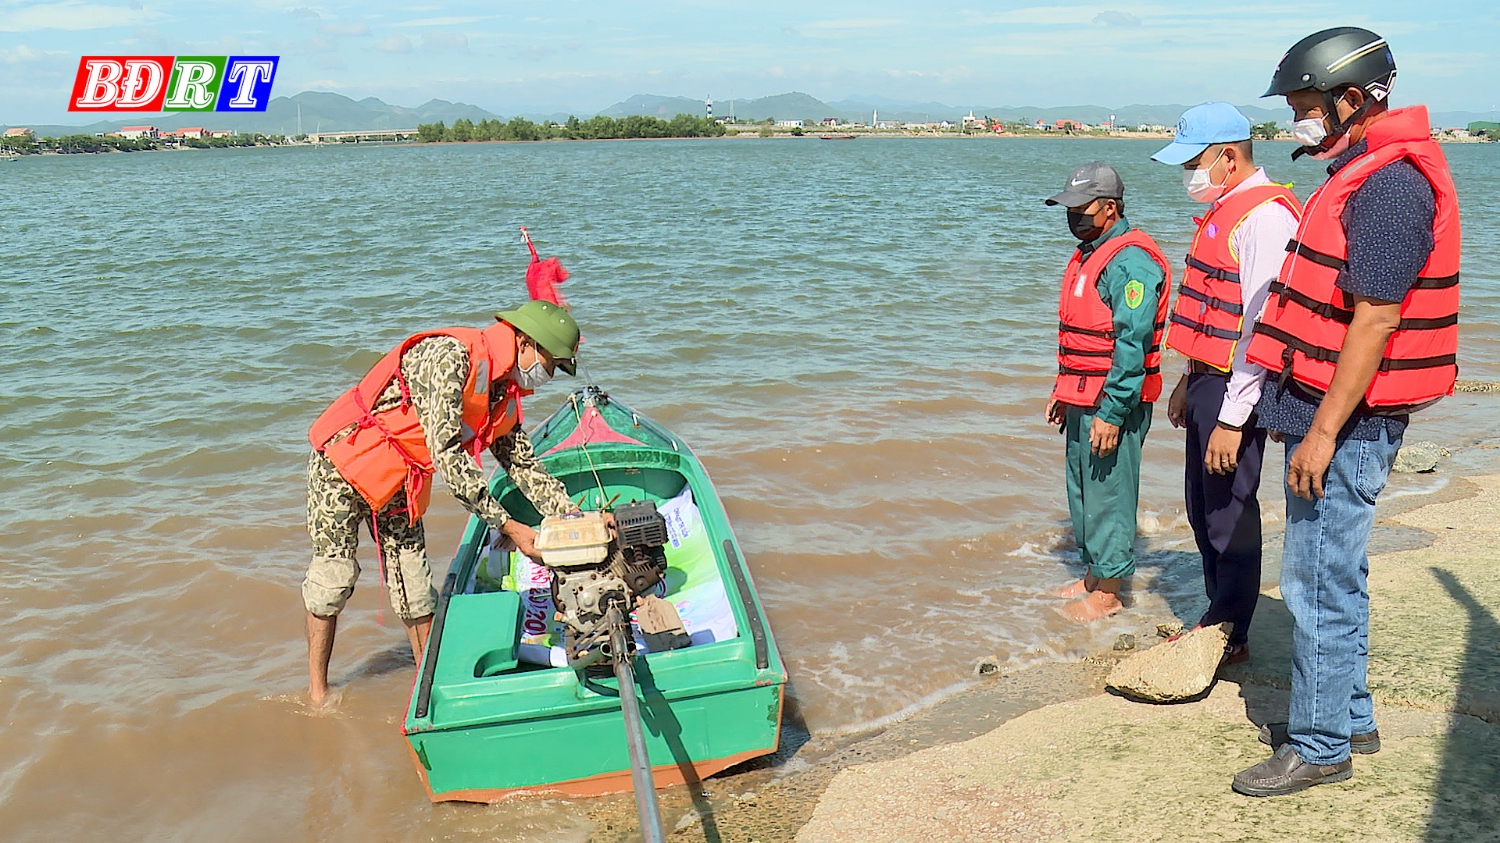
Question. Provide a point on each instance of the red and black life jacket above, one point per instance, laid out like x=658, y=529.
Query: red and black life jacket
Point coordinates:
x=1209, y=315
x=1302, y=329
x=1086, y=327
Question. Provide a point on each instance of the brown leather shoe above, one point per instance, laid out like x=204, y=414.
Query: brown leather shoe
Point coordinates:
x=1274, y=735
x=1286, y=772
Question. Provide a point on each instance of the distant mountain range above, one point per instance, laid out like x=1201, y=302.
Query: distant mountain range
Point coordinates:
x=322, y=111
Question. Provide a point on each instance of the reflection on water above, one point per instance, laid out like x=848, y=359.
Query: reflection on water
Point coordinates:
x=856, y=338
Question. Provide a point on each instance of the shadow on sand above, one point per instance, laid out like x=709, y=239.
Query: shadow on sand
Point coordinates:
x=1456, y=814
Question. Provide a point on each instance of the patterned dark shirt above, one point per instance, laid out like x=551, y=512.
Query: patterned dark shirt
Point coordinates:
x=1388, y=224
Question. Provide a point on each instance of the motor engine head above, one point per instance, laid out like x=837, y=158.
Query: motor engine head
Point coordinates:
x=593, y=572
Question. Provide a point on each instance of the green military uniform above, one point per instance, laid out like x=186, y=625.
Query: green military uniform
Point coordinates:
x=1103, y=492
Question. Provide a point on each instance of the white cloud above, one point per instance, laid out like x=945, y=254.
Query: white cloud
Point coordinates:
x=302, y=12
x=21, y=54
x=71, y=16
x=1114, y=18
x=394, y=44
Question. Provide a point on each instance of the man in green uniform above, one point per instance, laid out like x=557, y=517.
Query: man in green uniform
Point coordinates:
x=435, y=374
x=1111, y=316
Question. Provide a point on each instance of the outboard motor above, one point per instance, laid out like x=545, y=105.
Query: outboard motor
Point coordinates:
x=594, y=573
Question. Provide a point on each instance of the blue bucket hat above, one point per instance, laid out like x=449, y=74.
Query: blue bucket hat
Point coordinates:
x=1202, y=126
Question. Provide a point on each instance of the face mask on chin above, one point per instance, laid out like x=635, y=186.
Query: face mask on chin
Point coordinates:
x=1082, y=226
x=1200, y=183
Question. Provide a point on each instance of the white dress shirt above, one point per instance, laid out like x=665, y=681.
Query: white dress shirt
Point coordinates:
x=1259, y=243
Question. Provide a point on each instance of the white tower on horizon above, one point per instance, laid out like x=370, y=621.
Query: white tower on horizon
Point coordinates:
x=875, y=118
x=710, y=103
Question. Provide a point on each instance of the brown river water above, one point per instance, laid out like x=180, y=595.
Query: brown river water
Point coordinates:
x=856, y=338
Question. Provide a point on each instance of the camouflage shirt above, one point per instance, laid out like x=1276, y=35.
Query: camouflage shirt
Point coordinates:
x=436, y=370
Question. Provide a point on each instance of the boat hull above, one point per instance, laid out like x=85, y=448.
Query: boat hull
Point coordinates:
x=481, y=728
x=471, y=766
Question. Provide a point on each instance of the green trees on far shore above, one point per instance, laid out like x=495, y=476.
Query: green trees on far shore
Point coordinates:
x=1265, y=131
x=594, y=128
x=76, y=144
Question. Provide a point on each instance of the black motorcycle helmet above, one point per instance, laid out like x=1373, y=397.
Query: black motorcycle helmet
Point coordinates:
x=1331, y=62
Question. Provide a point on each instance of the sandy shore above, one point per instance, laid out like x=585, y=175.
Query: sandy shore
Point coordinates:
x=1046, y=754
x=1102, y=768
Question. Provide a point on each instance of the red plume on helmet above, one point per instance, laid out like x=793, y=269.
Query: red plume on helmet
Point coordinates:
x=544, y=276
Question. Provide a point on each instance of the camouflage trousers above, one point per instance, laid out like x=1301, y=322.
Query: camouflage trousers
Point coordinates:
x=334, y=512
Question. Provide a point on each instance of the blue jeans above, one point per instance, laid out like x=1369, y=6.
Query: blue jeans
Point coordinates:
x=1323, y=581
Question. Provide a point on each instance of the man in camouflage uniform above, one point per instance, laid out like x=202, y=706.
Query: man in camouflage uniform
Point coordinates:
x=436, y=371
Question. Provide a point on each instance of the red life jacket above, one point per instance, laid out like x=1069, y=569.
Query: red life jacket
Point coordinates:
x=387, y=451
x=1303, y=326
x=1086, y=325
x=1209, y=315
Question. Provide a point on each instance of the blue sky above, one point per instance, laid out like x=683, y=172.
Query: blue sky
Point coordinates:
x=583, y=55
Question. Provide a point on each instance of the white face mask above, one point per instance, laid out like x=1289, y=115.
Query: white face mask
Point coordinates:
x=1309, y=132
x=532, y=376
x=1200, y=183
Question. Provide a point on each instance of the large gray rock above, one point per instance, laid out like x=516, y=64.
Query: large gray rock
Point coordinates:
x=1175, y=670
x=1418, y=457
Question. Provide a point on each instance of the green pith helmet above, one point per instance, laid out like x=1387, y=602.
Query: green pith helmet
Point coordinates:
x=551, y=326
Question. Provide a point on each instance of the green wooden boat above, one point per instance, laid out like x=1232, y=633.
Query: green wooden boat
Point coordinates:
x=484, y=724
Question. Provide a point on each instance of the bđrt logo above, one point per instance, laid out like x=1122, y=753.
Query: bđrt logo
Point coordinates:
x=173, y=83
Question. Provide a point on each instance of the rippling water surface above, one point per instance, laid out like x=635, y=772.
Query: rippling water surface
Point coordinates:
x=856, y=337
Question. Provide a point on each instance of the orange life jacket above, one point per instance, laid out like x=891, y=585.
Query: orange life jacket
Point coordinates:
x=1086, y=326
x=1303, y=326
x=1209, y=316
x=385, y=452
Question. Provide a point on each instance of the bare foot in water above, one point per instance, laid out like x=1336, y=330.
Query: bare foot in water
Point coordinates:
x=1092, y=606
x=324, y=703
x=1071, y=590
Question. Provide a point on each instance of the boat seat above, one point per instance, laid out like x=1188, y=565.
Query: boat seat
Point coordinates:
x=480, y=634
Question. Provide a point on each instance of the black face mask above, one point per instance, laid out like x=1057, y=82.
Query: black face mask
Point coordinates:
x=1082, y=226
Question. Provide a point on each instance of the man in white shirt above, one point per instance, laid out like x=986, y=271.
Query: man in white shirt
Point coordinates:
x=1236, y=254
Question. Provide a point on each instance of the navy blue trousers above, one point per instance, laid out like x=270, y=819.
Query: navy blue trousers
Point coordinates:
x=1223, y=510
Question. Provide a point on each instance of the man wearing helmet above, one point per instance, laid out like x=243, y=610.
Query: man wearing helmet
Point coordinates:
x=430, y=406
x=1360, y=331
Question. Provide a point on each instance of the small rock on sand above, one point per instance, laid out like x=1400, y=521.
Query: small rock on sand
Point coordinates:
x=1418, y=457
x=987, y=666
x=1125, y=641
x=1174, y=671
x=1167, y=630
